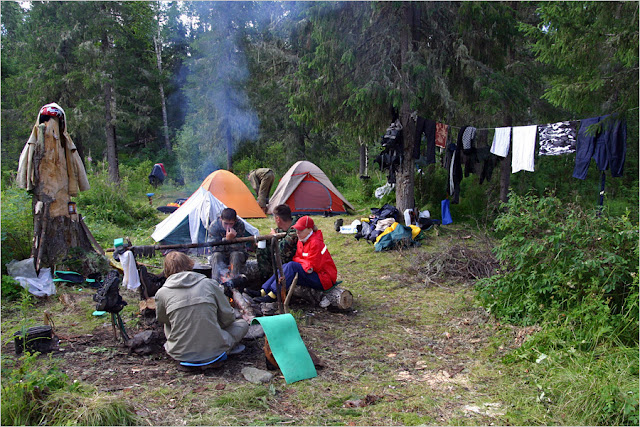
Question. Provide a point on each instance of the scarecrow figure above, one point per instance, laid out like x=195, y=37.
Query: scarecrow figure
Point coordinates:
x=50, y=168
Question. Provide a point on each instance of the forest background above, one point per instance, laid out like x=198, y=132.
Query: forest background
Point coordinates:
x=200, y=86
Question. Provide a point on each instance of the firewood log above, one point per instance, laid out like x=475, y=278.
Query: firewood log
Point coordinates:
x=243, y=305
x=337, y=297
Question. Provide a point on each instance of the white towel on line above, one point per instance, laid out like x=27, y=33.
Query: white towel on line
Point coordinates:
x=131, y=279
x=524, y=146
x=500, y=145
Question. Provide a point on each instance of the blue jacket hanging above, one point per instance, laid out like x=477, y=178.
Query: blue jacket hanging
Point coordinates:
x=607, y=145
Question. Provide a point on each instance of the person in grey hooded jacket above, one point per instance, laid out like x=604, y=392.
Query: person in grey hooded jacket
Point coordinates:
x=199, y=322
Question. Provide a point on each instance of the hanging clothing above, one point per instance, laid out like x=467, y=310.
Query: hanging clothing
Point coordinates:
x=524, y=146
x=428, y=128
x=157, y=174
x=442, y=131
x=470, y=158
x=454, y=168
x=607, y=144
x=481, y=161
x=486, y=164
x=131, y=279
x=468, y=137
x=557, y=138
x=390, y=158
x=501, y=141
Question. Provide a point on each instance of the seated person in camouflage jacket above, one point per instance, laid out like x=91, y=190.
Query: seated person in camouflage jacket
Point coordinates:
x=227, y=261
x=288, y=245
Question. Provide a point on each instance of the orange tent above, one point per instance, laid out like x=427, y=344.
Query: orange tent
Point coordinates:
x=231, y=191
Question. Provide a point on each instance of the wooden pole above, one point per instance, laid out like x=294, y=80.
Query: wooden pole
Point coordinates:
x=281, y=282
x=290, y=293
x=94, y=242
x=207, y=244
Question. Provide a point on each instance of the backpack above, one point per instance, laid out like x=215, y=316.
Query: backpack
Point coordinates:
x=400, y=236
x=387, y=211
x=108, y=297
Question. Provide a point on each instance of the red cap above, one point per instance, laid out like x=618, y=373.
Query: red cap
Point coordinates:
x=304, y=222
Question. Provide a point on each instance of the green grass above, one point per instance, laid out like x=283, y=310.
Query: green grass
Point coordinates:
x=36, y=392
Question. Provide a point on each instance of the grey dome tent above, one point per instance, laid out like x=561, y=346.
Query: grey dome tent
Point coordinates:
x=308, y=191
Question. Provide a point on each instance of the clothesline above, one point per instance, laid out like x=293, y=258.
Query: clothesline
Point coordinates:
x=495, y=127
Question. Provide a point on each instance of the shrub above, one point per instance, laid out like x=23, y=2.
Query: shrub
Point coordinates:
x=431, y=188
x=243, y=166
x=85, y=262
x=137, y=177
x=566, y=268
x=17, y=225
x=11, y=289
x=110, y=202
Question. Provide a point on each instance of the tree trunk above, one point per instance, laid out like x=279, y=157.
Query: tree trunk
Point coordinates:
x=54, y=229
x=301, y=143
x=405, y=174
x=109, y=126
x=165, y=121
x=363, y=158
x=229, y=142
x=505, y=170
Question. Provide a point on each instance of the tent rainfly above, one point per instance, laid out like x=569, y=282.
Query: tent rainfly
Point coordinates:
x=188, y=223
x=231, y=191
x=308, y=191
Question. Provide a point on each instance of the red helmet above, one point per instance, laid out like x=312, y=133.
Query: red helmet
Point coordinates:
x=49, y=110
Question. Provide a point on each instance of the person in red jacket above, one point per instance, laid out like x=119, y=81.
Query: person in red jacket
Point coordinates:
x=312, y=262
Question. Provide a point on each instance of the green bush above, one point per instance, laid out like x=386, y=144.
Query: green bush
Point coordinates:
x=137, y=177
x=359, y=192
x=564, y=267
x=17, y=225
x=245, y=165
x=11, y=289
x=85, y=262
x=36, y=394
x=114, y=203
x=431, y=188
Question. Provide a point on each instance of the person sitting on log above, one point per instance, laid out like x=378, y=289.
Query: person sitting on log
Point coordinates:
x=199, y=322
x=312, y=262
x=227, y=261
x=288, y=245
